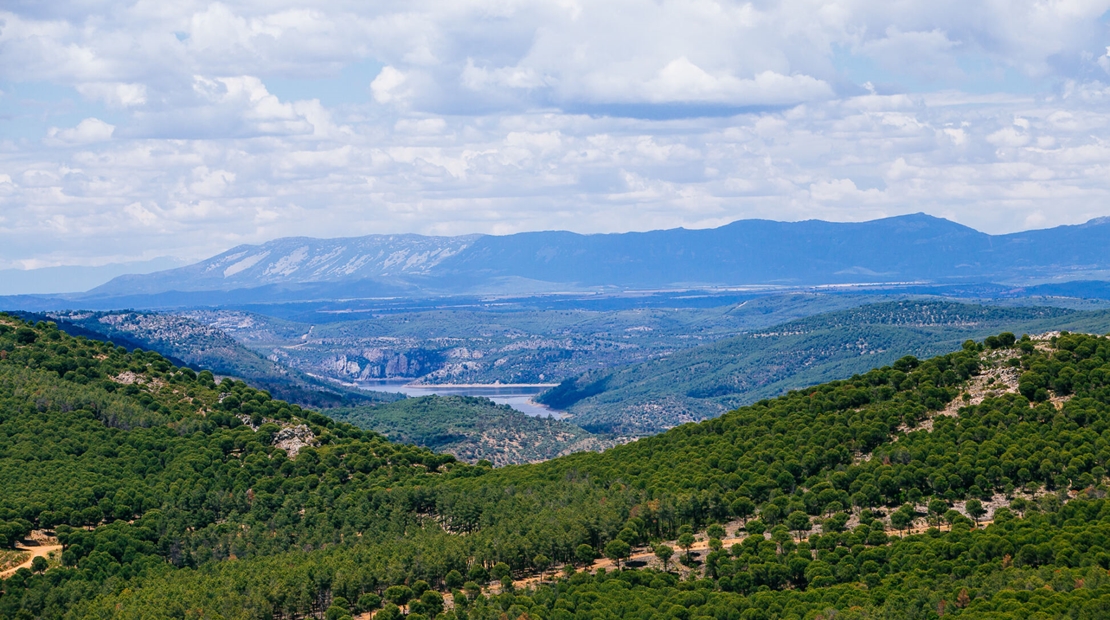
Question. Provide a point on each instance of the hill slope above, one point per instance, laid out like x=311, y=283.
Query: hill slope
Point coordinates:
x=706, y=381
x=473, y=429
x=195, y=344
x=154, y=478
x=519, y=345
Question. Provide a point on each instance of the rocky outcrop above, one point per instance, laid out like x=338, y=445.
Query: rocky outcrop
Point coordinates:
x=293, y=438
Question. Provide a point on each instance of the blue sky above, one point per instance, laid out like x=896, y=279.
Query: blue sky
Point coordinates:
x=132, y=131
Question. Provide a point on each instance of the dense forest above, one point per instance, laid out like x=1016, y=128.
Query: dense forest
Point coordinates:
x=970, y=484
x=705, y=381
x=190, y=343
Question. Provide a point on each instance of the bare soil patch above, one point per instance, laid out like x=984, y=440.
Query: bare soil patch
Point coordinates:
x=40, y=544
x=11, y=558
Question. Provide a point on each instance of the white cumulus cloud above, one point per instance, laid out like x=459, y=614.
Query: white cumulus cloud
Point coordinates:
x=208, y=124
x=115, y=94
x=87, y=131
x=387, y=87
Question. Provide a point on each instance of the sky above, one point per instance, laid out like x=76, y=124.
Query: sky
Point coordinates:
x=131, y=131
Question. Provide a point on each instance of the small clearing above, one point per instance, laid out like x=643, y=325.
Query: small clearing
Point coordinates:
x=10, y=558
x=39, y=545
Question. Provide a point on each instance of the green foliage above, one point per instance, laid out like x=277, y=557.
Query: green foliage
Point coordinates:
x=154, y=478
x=500, y=571
x=664, y=553
x=188, y=342
x=398, y=595
x=584, y=554
x=706, y=381
x=472, y=428
x=617, y=550
x=38, y=564
x=160, y=462
x=558, y=343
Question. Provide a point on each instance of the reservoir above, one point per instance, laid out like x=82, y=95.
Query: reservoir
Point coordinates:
x=517, y=396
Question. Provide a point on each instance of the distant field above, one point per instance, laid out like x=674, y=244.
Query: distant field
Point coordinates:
x=623, y=371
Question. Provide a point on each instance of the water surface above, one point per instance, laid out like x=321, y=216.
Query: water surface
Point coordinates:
x=518, y=397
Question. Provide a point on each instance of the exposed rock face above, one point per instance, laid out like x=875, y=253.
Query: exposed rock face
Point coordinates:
x=127, y=378
x=293, y=438
x=299, y=259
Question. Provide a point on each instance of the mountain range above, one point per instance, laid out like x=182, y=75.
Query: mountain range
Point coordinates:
x=898, y=250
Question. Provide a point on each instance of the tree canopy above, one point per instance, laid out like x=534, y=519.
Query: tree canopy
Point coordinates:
x=175, y=495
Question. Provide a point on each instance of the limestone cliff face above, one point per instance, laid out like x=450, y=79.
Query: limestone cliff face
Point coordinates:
x=909, y=248
x=298, y=260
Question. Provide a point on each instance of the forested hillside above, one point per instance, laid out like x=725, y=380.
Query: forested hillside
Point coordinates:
x=202, y=346
x=706, y=381
x=473, y=429
x=486, y=342
x=967, y=485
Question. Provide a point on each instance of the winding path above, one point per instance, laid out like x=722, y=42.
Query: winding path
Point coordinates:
x=37, y=549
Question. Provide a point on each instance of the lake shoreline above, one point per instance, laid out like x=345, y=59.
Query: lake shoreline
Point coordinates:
x=413, y=383
x=519, y=396
x=479, y=386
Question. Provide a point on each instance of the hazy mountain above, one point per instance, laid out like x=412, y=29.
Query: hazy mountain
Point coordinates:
x=73, y=278
x=906, y=248
x=912, y=248
x=296, y=260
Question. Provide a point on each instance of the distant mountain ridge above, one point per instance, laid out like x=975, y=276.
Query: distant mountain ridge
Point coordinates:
x=911, y=248
x=295, y=260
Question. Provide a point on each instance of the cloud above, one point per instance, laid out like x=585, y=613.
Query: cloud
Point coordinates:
x=87, y=131
x=387, y=87
x=927, y=54
x=236, y=106
x=210, y=183
x=481, y=78
x=683, y=81
x=840, y=159
x=115, y=94
x=500, y=116
x=426, y=126
x=140, y=214
x=516, y=55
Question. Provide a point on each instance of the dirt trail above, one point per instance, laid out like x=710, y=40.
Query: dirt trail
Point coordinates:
x=647, y=556
x=37, y=547
x=642, y=555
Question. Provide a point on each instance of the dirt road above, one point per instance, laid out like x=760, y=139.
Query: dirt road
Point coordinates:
x=37, y=549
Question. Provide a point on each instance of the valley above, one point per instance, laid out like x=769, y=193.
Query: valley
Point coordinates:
x=171, y=493
x=848, y=451
x=703, y=382
x=189, y=342
x=474, y=429
x=610, y=375
x=502, y=343
x=558, y=310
